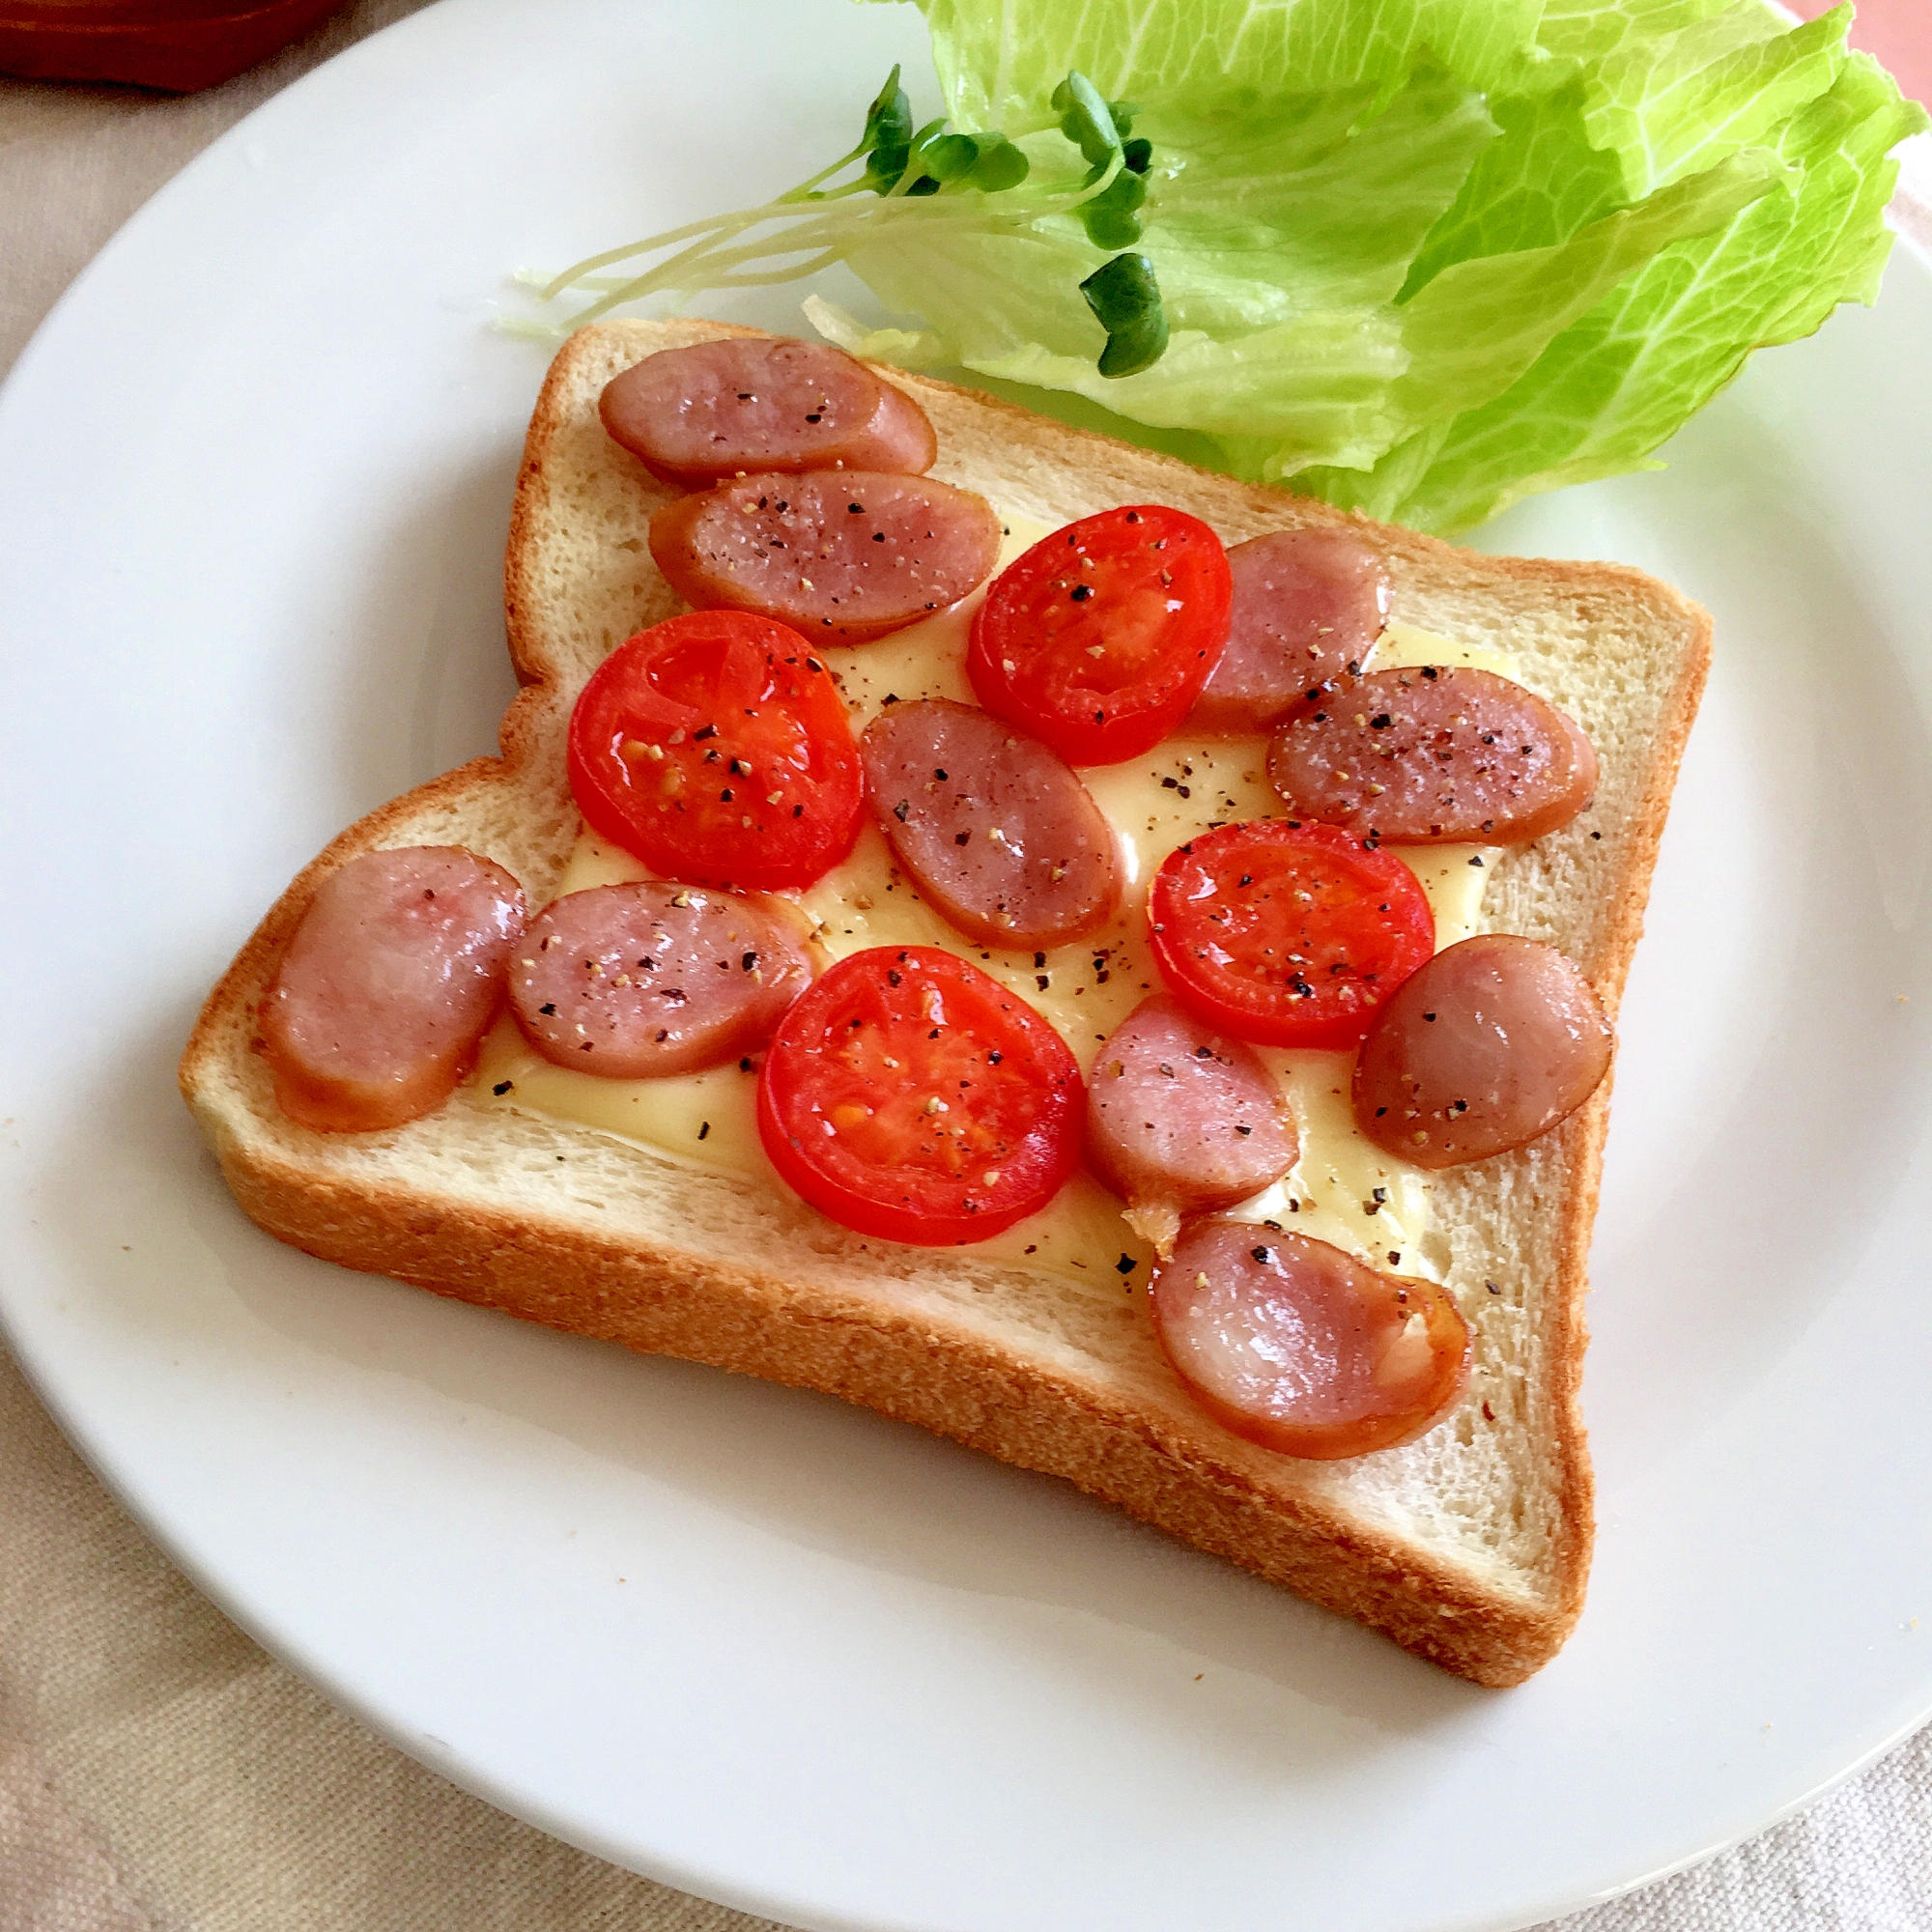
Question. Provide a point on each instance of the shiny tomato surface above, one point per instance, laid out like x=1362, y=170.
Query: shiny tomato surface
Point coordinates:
x=716, y=747
x=1099, y=639
x=1285, y=934
x=909, y=1095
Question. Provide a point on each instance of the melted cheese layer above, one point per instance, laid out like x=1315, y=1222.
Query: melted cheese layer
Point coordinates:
x=1343, y=1189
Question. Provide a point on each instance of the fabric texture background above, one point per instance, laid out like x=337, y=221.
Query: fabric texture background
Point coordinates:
x=160, y=1772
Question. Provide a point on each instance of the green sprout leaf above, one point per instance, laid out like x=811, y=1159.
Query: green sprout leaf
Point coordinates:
x=888, y=121
x=1111, y=217
x=1125, y=299
x=925, y=183
x=948, y=156
x=1087, y=120
x=1000, y=166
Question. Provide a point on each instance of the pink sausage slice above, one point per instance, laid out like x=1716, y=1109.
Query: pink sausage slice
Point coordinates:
x=1296, y=1345
x=997, y=831
x=1433, y=756
x=1488, y=1045
x=1181, y=1120
x=837, y=554
x=638, y=981
x=719, y=408
x=1309, y=606
x=396, y=969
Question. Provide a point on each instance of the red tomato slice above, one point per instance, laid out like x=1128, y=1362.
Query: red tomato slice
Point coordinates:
x=1099, y=639
x=908, y=1094
x=716, y=749
x=1287, y=934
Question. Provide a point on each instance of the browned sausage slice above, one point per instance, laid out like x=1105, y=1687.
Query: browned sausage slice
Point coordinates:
x=1433, y=756
x=1181, y=1120
x=387, y=986
x=719, y=408
x=1309, y=606
x=649, y=979
x=845, y=554
x=1302, y=1348
x=1488, y=1045
x=997, y=831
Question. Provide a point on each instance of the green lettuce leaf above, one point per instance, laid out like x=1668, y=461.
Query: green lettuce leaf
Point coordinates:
x=1422, y=256
x=1627, y=376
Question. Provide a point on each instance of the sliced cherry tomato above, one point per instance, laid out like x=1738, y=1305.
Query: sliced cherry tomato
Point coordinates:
x=1288, y=933
x=909, y=1095
x=716, y=747
x=1099, y=639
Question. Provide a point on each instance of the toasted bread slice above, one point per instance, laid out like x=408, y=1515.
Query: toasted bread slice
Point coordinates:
x=1468, y=1546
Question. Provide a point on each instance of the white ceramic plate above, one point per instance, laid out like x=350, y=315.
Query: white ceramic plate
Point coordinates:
x=253, y=482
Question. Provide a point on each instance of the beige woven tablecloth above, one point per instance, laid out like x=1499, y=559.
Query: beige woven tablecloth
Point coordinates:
x=158, y=1773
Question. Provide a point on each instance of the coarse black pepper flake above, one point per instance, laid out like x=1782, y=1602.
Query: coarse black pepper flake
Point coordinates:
x=1127, y=1265
x=1493, y=1288
x=704, y=1130
x=548, y=1008
x=703, y=731
x=1262, y=1255
x=501, y=1088
x=901, y=808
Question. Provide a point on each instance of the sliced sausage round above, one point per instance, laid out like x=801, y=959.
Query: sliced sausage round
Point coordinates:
x=647, y=978
x=394, y=973
x=1436, y=754
x=718, y=408
x=1309, y=606
x=1492, y=1043
x=1182, y=1121
x=1298, y=1347
x=998, y=833
x=836, y=553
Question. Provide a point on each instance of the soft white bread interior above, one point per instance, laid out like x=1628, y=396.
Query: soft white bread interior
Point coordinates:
x=1468, y=1546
